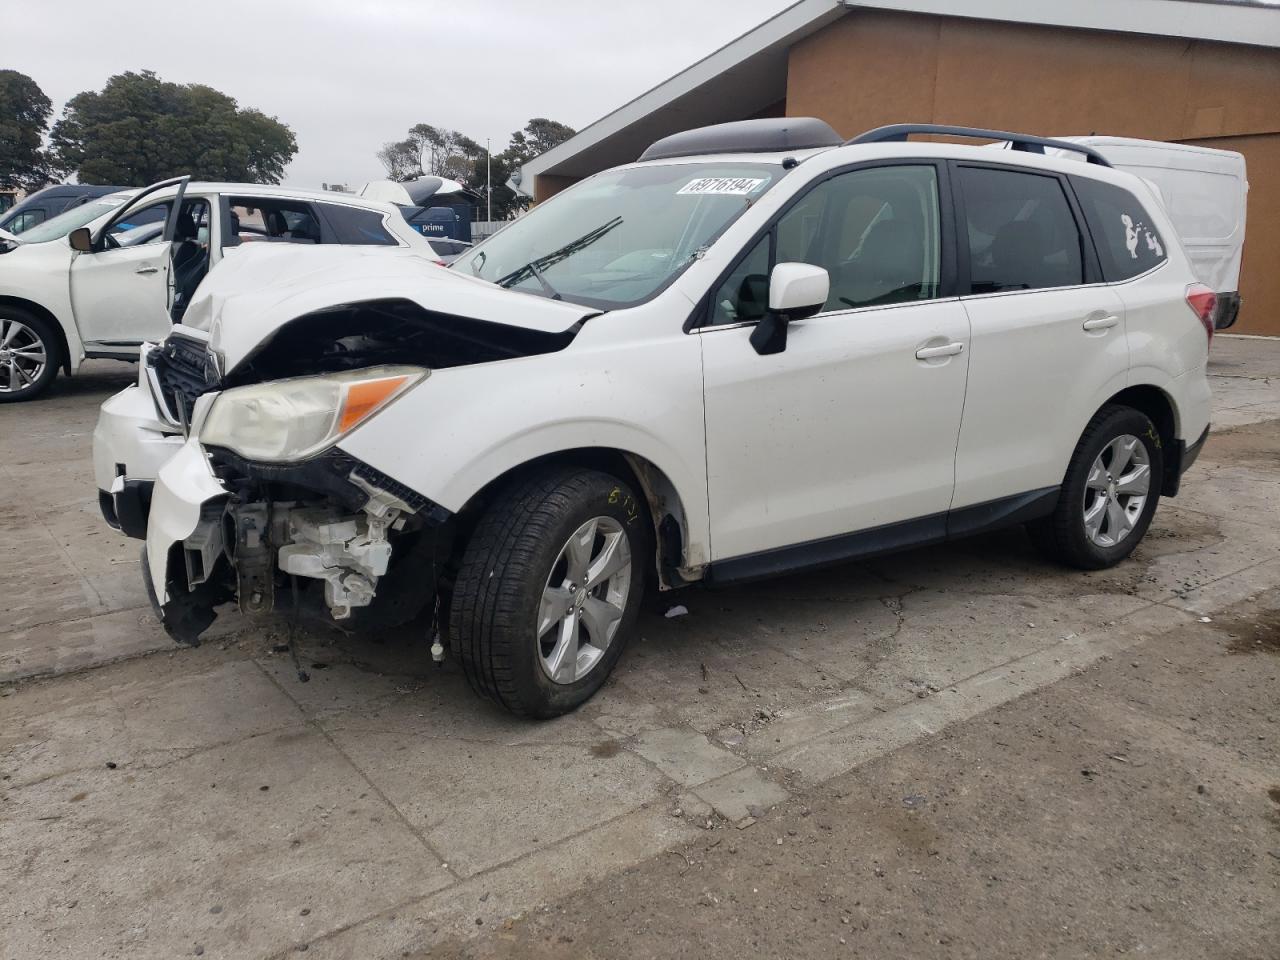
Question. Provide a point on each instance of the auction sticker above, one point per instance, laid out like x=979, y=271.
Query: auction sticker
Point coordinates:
x=724, y=186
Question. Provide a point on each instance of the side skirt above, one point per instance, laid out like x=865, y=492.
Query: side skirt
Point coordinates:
x=890, y=538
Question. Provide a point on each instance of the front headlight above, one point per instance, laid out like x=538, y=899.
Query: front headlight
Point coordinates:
x=292, y=419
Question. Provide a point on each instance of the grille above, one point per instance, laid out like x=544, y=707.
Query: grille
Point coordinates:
x=182, y=370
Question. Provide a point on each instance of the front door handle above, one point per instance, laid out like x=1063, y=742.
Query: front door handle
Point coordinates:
x=945, y=350
x=1101, y=323
x=147, y=270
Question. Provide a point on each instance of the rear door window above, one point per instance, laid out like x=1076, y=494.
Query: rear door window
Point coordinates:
x=1022, y=233
x=1127, y=241
x=272, y=220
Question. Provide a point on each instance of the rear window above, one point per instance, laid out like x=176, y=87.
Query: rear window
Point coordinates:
x=352, y=225
x=447, y=248
x=1127, y=241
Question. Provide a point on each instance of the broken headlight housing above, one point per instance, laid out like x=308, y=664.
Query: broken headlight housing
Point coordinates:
x=286, y=420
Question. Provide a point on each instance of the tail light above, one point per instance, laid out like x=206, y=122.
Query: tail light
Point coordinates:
x=1203, y=303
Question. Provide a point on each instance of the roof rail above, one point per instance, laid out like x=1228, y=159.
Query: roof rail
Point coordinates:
x=1017, y=141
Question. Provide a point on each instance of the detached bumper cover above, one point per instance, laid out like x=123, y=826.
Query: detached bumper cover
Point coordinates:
x=185, y=486
x=130, y=445
x=126, y=505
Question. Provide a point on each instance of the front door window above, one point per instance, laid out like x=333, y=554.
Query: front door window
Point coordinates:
x=875, y=232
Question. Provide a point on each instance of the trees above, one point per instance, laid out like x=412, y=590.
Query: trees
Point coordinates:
x=24, y=114
x=400, y=159
x=448, y=153
x=432, y=151
x=444, y=152
x=139, y=129
x=538, y=136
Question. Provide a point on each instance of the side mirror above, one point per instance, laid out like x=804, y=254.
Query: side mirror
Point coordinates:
x=796, y=291
x=81, y=240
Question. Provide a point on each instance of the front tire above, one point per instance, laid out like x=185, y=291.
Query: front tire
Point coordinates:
x=549, y=586
x=30, y=353
x=1109, y=494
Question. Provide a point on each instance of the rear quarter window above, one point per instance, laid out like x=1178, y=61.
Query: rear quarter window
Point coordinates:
x=1127, y=241
x=352, y=225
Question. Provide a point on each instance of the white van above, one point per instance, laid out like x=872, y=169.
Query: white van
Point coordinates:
x=1204, y=190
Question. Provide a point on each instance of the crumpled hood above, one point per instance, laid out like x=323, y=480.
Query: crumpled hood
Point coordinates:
x=259, y=288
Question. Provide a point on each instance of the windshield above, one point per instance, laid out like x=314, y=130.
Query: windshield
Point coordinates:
x=621, y=236
x=69, y=220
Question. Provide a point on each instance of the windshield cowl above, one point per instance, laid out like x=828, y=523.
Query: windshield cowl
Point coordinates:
x=621, y=237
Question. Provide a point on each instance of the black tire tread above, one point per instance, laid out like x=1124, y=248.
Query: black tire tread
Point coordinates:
x=485, y=605
x=1054, y=535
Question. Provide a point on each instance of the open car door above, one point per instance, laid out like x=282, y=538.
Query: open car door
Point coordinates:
x=123, y=295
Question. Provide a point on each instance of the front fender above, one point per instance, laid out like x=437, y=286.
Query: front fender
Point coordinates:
x=464, y=427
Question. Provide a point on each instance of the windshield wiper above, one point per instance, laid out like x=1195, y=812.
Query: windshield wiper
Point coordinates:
x=535, y=267
x=547, y=288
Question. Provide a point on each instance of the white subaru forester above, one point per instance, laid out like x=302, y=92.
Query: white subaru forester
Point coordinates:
x=757, y=349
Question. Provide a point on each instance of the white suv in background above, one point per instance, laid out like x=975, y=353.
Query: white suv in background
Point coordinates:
x=101, y=278
x=757, y=349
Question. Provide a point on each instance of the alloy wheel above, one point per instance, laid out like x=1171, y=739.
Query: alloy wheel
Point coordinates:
x=1116, y=490
x=22, y=356
x=584, y=599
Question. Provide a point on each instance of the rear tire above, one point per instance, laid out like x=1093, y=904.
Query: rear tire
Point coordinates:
x=533, y=630
x=1109, y=494
x=30, y=354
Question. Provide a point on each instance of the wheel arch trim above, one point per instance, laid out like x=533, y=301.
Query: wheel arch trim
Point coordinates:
x=1159, y=406
x=680, y=541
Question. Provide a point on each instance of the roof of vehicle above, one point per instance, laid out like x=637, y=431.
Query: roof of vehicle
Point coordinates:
x=285, y=193
x=739, y=134
x=1139, y=144
x=264, y=190
x=71, y=190
x=787, y=136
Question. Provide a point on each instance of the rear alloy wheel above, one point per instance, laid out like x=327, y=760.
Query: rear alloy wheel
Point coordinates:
x=1116, y=490
x=549, y=584
x=28, y=356
x=1109, y=494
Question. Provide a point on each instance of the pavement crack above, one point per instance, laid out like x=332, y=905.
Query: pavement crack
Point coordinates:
x=315, y=725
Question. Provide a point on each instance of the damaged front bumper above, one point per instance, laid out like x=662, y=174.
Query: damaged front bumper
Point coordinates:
x=130, y=444
x=331, y=535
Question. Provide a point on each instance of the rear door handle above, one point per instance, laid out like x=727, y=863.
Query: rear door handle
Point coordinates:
x=147, y=270
x=1101, y=323
x=946, y=350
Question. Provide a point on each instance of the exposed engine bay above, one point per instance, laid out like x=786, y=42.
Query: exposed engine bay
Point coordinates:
x=388, y=332
x=319, y=539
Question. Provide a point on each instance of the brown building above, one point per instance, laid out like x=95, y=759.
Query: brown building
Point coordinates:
x=1194, y=71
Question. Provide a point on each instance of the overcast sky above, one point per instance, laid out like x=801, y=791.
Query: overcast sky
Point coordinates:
x=348, y=75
